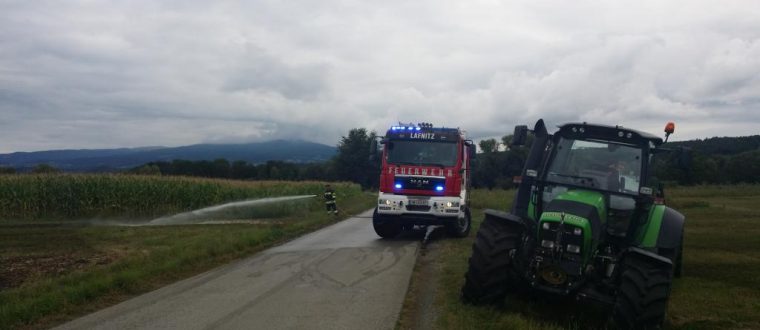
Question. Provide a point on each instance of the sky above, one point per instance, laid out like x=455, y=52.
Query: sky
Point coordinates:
x=103, y=74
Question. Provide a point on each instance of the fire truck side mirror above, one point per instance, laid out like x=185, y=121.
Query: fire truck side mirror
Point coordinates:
x=471, y=151
x=520, y=135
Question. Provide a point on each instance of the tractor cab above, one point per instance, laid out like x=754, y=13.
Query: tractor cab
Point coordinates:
x=607, y=163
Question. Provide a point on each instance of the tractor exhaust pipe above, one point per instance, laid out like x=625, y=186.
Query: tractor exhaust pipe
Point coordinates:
x=530, y=171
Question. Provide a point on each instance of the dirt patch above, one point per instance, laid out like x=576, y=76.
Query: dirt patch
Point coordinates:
x=17, y=270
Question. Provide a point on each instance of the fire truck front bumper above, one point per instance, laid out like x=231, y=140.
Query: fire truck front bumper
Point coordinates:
x=420, y=206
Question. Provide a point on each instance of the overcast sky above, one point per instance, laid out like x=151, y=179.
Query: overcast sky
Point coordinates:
x=100, y=74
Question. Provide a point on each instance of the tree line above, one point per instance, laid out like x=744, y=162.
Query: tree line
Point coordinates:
x=720, y=160
x=351, y=163
x=717, y=160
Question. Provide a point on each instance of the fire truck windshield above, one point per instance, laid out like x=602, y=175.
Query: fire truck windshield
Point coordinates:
x=422, y=153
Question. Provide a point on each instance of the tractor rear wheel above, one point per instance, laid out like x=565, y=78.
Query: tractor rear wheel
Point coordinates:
x=461, y=227
x=385, y=227
x=643, y=295
x=490, y=275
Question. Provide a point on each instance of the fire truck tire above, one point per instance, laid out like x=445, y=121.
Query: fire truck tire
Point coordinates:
x=385, y=227
x=643, y=295
x=491, y=274
x=461, y=226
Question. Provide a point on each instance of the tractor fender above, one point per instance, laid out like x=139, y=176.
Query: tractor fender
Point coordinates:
x=505, y=217
x=671, y=229
x=650, y=257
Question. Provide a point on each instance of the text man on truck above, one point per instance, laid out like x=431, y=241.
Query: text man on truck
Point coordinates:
x=424, y=180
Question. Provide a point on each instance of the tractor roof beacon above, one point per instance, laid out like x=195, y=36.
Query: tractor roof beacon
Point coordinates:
x=587, y=221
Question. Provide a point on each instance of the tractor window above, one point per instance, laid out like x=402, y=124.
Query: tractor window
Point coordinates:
x=597, y=164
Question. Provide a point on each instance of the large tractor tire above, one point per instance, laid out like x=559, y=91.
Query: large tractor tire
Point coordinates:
x=385, y=227
x=643, y=295
x=491, y=275
x=461, y=227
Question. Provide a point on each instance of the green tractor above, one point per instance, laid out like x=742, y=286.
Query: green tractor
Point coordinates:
x=587, y=222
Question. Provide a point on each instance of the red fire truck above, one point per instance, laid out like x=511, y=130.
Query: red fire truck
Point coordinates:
x=425, y=180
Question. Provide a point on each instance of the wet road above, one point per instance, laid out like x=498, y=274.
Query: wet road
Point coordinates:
x=340, y=277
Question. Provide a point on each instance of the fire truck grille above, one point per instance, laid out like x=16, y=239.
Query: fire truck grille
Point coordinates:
x=418, y=208
x=420, y=183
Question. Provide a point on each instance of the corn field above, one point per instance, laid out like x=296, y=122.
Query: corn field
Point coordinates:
x=86, y=196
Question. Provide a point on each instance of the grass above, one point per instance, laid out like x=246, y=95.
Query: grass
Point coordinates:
x=719, y=287
x=68, y=269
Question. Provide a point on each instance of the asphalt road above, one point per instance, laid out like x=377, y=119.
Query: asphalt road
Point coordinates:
x=340, y=277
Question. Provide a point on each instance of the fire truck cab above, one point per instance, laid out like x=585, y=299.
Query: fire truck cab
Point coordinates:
x=424, y=180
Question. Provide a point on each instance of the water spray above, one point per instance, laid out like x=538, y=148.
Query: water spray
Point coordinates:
x=202, y=215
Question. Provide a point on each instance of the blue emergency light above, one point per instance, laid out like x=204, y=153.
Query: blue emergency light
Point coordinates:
x=438, y=188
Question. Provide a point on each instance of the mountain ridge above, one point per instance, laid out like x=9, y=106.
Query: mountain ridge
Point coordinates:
x=116, y=159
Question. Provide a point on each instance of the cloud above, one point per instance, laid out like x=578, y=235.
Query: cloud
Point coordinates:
x=83, y=74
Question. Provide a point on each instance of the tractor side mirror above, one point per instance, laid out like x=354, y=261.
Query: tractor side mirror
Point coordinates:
x=520, y=135
x=684, y=158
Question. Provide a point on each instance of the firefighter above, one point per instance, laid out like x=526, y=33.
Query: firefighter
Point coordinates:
x=330, y=200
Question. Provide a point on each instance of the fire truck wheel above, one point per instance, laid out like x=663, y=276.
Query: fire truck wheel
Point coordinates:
x=384, y=226
x=461, y=226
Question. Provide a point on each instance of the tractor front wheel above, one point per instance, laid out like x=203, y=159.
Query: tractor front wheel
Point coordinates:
x=643, y=295
x=490, y=275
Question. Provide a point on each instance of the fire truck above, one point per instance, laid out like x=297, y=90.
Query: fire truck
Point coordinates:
x=425, y=180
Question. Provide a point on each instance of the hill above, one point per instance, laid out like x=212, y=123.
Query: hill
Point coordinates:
x=105, y=160
x=722, y=145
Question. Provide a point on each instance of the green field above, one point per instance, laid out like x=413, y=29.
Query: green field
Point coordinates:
x=53, y=271
x=720, y=287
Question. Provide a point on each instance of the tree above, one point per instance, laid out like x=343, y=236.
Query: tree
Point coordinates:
x=242, y=170
x=488, y=145
x=7, y=170
x=744, y=167
x=45, y=169
x=352, y=161
x=147, y=169
x=220, y=168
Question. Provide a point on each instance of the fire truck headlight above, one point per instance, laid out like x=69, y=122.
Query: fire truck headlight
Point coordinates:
x=452, y=204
